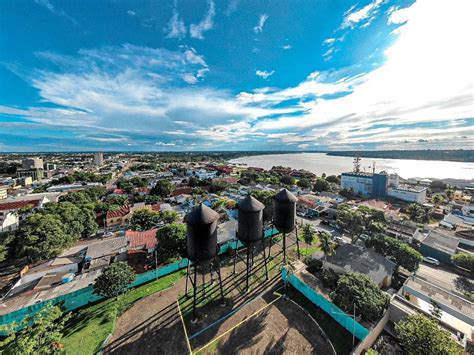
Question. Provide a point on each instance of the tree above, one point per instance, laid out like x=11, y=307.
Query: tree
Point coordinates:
x=438, y=184
x=321, y=185
x=359, y=290
x=327, y=244
x=332, y=179
x=398, y=251
x=40, y=334
x=437, y=199
x=265, y=197
x=347, y=193
x=308, y=233
x=163, y=188
x=464, y=260
x=304, y=183
x=169, y=216
x=218, y=186
x=350, y=220
x=419, y=334
x=287, y=180
x=144, y=219
x=114, y=280
x=435, y=309
x=171, y=242
x=42, y=236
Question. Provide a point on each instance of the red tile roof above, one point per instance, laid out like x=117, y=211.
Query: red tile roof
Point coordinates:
x=118, y=192
x=16, y=205
x=156, y=207
x=121, y=212
x=182, y=190
x=139, y=239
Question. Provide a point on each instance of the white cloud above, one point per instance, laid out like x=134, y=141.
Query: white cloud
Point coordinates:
x=286, y=46
x=366, y=13
x=264, y=74
x=47, y=4
x=189, y=78
x=176, y=27
x=329, y=40
x=261, y=22
x=131, y=13
x=397, y=15
x=206, y=24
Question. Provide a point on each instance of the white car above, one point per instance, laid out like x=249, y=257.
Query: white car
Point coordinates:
x=431, y=260
x=340, y=240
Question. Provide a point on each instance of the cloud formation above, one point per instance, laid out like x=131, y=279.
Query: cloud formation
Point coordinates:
x=264, y=74
x=207, y=23
x=261, y=22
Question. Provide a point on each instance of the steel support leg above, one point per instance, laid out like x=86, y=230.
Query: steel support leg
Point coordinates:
x=218, y=270
x=297, y=241
x=264, y=259
x=194, y=294
x=187, y=277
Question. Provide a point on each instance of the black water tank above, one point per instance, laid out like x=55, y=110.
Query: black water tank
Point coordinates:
x=284, y=211
x=250, y=220
x=202, y=233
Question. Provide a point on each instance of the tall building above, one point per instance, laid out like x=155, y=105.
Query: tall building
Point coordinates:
x=32, y=163
x=98, y=158
x=366, y=184
x=3, y=192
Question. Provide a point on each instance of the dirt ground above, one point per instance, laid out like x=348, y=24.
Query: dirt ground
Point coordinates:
x=154, y=324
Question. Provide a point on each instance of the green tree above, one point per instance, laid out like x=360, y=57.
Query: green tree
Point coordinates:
x=464, y=260
x=350, y=220
x=115, y=280
x=327, y=244
x=163, y=188
x=419, y=334
x=144, y=219
x=308, y=233
x=218, y=186
x=169, y=216
x=41, y=236
x=171, y=242
x=347, y=193
x=40, y=334
x=287, y=180
x=398, y=251
x=265, y=197
x=437, y=199
x=359, y=290
x=332, y=179
x=321, y=185
x=304, y=183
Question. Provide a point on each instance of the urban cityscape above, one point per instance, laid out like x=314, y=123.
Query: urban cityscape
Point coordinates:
x=187, y=178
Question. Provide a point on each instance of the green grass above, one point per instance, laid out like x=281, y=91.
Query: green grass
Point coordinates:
x=309, y=251
x=89, y=327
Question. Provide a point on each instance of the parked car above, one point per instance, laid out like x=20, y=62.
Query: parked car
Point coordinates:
x=340, y=240
x=431, y=260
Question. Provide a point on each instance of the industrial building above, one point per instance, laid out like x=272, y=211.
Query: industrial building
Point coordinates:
x=408, y=193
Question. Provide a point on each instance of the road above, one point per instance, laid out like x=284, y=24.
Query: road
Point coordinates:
x=316, y=223
x=112, y=182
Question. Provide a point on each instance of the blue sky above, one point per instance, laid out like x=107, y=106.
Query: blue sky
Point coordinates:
x=236, y=75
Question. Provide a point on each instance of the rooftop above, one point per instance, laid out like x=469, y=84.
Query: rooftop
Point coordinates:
x=356, y=258
x=140, y=239
x=105, y=247
x=441, y=242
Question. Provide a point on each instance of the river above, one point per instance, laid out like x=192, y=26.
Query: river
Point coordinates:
x=319, y=163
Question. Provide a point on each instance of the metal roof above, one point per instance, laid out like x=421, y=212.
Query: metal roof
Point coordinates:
x=250, y=204
x=285, y=196
x=202, y=215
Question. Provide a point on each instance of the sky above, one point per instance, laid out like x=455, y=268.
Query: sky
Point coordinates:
x=199, y=75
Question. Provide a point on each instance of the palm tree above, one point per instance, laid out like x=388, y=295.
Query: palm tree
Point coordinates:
x=327, y=245
x=437, y=199
x=308, y=233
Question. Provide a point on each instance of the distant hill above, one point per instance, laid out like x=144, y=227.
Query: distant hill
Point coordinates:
x=446, y=155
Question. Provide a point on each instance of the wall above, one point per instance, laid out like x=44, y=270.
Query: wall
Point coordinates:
x=370, y=339
x=327, y=306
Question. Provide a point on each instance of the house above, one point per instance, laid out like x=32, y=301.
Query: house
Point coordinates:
x=105, y=252
x=141, y=240
x=439, y=246
x=404, y=231
x=461, y=198
x=8, y=221
x=118, y=217
x=357, y=258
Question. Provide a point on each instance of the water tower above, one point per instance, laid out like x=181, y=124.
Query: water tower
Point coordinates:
x=284, y=217
x=202, y=248
x=250, y=232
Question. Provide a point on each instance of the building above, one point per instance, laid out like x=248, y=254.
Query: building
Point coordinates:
x=98, y=158
x=50, y=166
x=105, y=252
x=408, y=193
x=34, y=174
x=393, y=180
x=366, y=184
x=357, y=258
x=32, y=163
x=3, y=192
x=403, y=231
x=439, y=246
x=8, y=221
x=141, y=240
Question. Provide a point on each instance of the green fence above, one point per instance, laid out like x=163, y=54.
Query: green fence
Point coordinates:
x=82, y=297
x=327, y=306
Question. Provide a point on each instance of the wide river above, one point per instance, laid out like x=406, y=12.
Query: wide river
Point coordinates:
x=319, y=163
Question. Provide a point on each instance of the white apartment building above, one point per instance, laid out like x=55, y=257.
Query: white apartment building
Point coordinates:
x=98, y=158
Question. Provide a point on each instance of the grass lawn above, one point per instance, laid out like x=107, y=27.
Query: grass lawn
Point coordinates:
x=304, y=252
x=89, y=327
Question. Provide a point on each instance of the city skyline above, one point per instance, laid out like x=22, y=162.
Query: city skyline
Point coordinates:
x=231, y=75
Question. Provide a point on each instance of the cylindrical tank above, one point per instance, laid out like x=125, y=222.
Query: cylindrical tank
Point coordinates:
x=250, y=221
x=202, y=233
x=284, y=211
